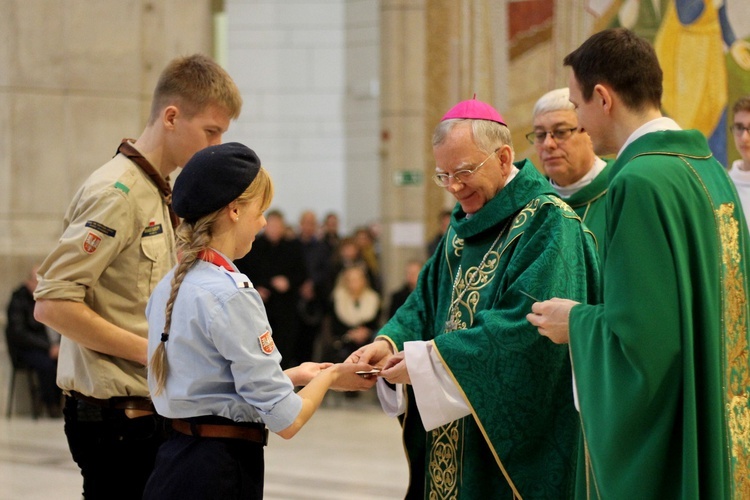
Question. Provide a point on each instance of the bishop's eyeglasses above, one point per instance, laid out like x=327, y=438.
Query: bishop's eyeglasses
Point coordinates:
x=444, y=180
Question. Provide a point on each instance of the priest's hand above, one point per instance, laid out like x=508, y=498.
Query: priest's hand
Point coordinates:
x=395, y=371
x=374, y=353
x=551, y=318
x=349, y=380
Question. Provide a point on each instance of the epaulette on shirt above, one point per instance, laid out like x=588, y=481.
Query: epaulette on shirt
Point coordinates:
x=239, y=279
x=122, y=187
x=127, y=179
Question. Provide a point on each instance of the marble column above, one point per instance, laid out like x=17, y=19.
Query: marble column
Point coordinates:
x=434, y=54
x=403, y=136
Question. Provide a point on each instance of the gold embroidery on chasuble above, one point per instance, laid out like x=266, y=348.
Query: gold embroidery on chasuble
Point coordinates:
x=566, y=209
x=736, y=377
x=527, y=212
x=467, y=293
x=446, y=442
x=444, y=464
x=468, y=284
x=457, y=244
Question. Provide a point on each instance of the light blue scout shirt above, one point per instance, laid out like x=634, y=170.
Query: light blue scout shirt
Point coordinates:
x=215, y=359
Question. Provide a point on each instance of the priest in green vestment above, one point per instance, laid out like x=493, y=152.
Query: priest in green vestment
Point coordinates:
x=567, y=158
x=661, y=366
x=485, y=403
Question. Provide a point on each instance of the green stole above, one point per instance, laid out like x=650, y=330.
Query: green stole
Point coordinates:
x=521, y=437
x=662, y=365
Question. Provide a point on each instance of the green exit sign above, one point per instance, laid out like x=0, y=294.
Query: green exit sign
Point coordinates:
x=407, y=177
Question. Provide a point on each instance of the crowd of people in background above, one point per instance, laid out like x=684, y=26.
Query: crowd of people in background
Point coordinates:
x=323, y=290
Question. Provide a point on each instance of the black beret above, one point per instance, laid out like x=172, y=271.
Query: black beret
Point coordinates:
x=213, y=178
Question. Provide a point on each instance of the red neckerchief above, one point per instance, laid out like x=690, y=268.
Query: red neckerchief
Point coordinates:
x=214, y=258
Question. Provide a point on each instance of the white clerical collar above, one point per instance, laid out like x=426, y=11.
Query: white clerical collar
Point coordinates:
x=571, y=189
x=656, y=125
x=512, y=175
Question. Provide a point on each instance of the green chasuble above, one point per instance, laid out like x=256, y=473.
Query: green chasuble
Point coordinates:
x=521, y=438
x=661, y=366
x=589, y=204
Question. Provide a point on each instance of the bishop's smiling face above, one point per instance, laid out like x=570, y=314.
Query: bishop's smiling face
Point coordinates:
x=458, y=151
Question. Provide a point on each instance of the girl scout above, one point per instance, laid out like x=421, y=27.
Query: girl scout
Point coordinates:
x=214, y=368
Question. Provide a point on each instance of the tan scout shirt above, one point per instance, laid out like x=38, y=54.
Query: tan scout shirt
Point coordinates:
x=117, y=244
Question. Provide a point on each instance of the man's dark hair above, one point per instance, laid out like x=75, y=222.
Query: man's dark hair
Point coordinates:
x=742, y=104
x=621, y=59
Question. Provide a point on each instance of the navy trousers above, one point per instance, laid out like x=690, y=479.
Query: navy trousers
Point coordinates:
x=207, y=468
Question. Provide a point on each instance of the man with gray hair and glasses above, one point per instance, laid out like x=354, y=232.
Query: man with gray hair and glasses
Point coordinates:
x=486, y=408
x=567, y=155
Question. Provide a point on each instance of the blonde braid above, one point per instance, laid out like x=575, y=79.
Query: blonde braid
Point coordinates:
x=192, y=238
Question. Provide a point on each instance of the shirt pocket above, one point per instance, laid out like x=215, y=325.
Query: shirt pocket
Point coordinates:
x=154, y=264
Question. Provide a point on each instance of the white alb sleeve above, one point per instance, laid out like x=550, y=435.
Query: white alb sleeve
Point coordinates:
x=439, y=400
x=392, y=401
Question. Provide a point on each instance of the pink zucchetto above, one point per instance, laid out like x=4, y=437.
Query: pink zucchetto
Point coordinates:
x=473, y=109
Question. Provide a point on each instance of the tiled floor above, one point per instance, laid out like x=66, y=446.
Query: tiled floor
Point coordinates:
x=348, y=451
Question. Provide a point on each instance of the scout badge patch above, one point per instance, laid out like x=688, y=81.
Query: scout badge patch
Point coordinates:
x=91, y=242
x=266, y=342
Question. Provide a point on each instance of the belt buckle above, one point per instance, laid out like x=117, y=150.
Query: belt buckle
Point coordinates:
x=132, y=413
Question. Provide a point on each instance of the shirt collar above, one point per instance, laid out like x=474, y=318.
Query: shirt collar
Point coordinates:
x=655, y=125
x=571, y=189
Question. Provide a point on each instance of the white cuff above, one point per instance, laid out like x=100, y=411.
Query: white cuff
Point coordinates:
x=439, y=400
x=392, y=402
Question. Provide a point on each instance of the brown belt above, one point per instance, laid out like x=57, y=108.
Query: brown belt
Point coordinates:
x=253, y=434
x=118, y=403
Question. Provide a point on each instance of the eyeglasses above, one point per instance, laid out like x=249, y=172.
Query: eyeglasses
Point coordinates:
x=444, y=180
x=739, y=129
x=560, y=135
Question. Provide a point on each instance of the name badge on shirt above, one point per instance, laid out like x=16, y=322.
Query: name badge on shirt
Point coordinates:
x=98, y=226
x=152, y=230
x=266, y=342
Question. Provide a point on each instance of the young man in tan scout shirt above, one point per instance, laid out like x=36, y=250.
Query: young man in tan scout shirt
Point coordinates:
x=117, y=243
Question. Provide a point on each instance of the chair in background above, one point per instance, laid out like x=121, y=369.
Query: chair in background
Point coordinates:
x=19, y=368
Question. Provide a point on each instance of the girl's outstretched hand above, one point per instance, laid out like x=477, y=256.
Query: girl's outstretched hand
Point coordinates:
x=302, y=375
